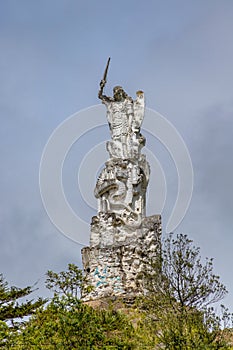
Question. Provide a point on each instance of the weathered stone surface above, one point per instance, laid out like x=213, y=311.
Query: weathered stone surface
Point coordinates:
x=121, y=185
x=115, y=269
x=122, y=238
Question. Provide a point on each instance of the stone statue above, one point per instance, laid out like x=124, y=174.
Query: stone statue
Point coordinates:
x=121, y=185
x=119, y=113
x=125, y=117
x=123, y=240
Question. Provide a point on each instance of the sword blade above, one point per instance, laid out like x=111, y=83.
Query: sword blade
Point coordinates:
x=106, y=71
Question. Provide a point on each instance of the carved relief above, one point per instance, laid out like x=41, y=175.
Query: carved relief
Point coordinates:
x=121, y=185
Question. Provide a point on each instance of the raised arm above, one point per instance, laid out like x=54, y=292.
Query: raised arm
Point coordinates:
x=100, y=93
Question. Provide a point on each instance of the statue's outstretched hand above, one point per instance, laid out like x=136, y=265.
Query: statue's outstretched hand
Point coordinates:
x=102, y=83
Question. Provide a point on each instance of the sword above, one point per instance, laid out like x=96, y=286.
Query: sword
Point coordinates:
x=104, y=80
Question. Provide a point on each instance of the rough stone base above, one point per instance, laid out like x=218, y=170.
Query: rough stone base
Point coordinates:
x=115, y=270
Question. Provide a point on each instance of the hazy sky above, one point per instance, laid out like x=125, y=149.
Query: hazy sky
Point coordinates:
x=53, y=54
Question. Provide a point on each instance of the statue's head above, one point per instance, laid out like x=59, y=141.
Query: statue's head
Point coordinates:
x=140, y=93
x=119, y=94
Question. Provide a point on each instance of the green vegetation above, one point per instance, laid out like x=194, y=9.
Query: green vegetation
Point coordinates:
x=180, y=292
x=67, y=323
x=12, y=311
x=10, y=308
x=175, y=314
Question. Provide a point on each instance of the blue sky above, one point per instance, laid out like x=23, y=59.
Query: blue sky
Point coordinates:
x=53, y=54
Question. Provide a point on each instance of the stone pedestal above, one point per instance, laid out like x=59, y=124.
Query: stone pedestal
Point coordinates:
x=113, y=267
